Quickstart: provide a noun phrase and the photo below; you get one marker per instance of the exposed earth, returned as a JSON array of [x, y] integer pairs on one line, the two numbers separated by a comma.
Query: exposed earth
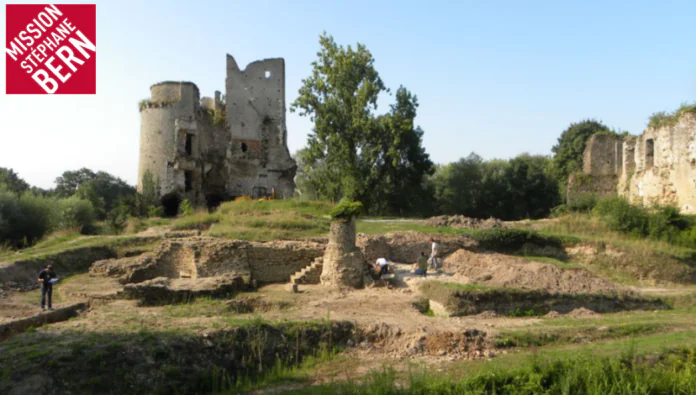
[[204, 287]]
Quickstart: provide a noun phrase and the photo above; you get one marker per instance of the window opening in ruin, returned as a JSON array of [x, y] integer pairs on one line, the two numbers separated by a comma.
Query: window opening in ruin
[[649, 153], [244, 147], [188, 181], [268, 74], [189, 144]]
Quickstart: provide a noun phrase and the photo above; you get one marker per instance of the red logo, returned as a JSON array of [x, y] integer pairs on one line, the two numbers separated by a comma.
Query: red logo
[[51, 49]]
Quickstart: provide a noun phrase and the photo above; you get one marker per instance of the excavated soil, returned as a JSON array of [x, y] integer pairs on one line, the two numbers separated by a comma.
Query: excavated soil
[[460, 221], [513, 272]]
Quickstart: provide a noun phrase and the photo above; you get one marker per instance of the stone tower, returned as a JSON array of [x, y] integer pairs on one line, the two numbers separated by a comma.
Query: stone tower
[[209, 150]]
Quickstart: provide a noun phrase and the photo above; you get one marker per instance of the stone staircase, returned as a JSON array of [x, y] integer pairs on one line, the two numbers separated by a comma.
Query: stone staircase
[[309, 274]]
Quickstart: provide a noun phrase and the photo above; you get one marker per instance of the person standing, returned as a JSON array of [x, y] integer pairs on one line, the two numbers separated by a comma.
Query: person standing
[[434, 261], [47, 287]]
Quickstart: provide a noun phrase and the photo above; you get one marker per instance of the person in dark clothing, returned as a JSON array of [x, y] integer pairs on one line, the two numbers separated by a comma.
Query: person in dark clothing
[[47, 286]]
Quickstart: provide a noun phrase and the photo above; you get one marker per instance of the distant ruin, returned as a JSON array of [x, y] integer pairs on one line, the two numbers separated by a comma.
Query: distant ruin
[[657, 167], [209, 150]]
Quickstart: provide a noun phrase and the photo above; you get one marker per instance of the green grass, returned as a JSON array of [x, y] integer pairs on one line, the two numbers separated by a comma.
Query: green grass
[[669, 372], [199, 220], [557, 262], [575, 334], [72, 243], [665, 119], [271, 220], [374, 228], [640, 260]]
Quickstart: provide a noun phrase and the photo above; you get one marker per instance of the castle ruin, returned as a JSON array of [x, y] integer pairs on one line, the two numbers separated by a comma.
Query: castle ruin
[[657, 167], [209, 150]]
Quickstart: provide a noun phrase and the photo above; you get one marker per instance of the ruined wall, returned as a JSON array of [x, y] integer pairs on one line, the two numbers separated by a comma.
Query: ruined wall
[[657, 167], [165, 120], [277, 261], [204, 150], [664, 166], [258, 153], [203, 257]]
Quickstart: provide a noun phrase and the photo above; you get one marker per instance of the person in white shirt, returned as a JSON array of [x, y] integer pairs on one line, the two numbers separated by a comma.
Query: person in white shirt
[[383, 266], [434, 260]]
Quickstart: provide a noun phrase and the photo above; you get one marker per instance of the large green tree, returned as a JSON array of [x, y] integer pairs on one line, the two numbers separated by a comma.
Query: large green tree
[[102, 189], [11, 182], [568, 152], [352, 152]]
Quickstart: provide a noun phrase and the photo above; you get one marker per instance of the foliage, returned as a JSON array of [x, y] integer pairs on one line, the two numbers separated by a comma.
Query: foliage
[[10, 181], [568, 152], [102, 189], [626, 374], [658, 223], [422, 304], [186, 207], [665, 119], [26, 219], [22, 222], [352, 152], [513, 239], [75, 213], [346, 209], [117, 219], [510, 190]]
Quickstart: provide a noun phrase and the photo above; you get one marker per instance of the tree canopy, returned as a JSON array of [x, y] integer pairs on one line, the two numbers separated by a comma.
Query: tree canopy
[[102, 189], [11, 182], [352, 152], [568, 152], [516, 189]]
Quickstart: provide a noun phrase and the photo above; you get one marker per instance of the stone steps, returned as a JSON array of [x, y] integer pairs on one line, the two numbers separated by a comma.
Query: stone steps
[[309, 274]]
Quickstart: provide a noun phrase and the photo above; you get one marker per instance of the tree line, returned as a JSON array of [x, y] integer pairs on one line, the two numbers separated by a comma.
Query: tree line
[[353, 152], [378, 159]]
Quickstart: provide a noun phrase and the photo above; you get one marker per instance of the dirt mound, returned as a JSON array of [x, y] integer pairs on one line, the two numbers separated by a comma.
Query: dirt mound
[[465, 344], [460, 221], [469, 344], [583, 313], [513, 272], [406, 247]]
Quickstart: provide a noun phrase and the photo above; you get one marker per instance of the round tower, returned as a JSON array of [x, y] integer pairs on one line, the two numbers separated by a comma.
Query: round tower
[[168, 146]]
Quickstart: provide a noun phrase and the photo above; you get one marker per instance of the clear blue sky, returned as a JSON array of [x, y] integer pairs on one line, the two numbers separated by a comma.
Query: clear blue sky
[[495, 77]]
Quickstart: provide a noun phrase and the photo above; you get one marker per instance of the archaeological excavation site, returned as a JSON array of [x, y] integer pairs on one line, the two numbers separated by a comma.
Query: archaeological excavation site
[[240, 284]]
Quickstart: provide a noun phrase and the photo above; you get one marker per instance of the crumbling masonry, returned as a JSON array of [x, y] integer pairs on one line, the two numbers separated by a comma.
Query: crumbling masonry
[[209, 150], [657, 167]]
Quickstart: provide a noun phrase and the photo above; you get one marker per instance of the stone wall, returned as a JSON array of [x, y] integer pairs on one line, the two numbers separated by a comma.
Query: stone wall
[[277, 261], [581, 185], [203, 257], [205, 151], [657, 167]]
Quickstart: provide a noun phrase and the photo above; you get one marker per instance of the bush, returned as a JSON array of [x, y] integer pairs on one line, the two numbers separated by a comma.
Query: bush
[[421, 304], [155, 211], [346, 209], [37, 217], [75, 213], [513, 239], [659, 223], [621, 216], [186, 208], [117, 220], [583, 202]]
